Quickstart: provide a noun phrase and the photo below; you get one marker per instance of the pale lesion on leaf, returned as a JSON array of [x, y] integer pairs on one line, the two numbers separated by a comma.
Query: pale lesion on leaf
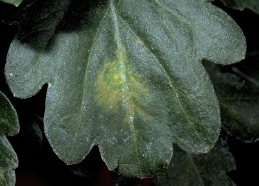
[[139, 41], [119, 86]]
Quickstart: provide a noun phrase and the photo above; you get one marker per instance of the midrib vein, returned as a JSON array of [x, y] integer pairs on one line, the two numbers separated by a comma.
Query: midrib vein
[[126, 95]]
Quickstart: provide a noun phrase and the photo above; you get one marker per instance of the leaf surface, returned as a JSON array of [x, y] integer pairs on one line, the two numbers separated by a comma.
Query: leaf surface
[[33, 128], [126, 76], [199, 169], [239, 102], [241, 4], [13, 2], [8, 126]]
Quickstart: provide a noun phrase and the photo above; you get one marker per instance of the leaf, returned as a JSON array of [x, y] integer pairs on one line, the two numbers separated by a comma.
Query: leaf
[[13, 2], [125, 181], [239, 104], [126, 76], [199, 169], [33, 128], [242, 4], [8, 126]]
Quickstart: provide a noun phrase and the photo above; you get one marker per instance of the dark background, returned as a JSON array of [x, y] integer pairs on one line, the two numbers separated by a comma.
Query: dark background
[[39, 166]]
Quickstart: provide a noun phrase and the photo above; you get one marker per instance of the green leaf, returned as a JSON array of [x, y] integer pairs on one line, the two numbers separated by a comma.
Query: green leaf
[[239, 103], [125, 181], [33, 128], [128, 78], [188, 169], [242, 4], [8, 126], [13, 2]]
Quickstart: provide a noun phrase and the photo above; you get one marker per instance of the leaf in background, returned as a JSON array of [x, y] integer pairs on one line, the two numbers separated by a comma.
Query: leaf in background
[[242, 4], [248, 69], [90, 168], [239, 103], [13, 2], [126, 76], [8, 126], [125, 181], [33, 127], [188, 169]]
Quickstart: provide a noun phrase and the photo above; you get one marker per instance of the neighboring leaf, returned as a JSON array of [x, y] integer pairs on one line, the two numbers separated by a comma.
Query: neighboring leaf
[[125, 181], [90, 168], [188, 169], [239, 104], [34, 129], [13, 2], [242, 4], [128, 78], [249, 69], [8, 126]]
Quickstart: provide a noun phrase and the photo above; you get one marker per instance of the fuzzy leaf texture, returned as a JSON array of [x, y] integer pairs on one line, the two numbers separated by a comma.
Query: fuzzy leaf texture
[[126, 76], [238, 100], [8, 126], [188, 169], [13, 2], [242, 4]]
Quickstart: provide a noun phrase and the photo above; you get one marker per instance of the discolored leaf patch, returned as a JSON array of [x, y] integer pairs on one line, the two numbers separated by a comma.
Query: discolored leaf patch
[[118, 84]]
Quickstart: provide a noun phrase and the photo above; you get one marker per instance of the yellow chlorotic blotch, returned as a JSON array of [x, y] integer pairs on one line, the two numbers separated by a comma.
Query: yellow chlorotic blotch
[[119, 86]]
